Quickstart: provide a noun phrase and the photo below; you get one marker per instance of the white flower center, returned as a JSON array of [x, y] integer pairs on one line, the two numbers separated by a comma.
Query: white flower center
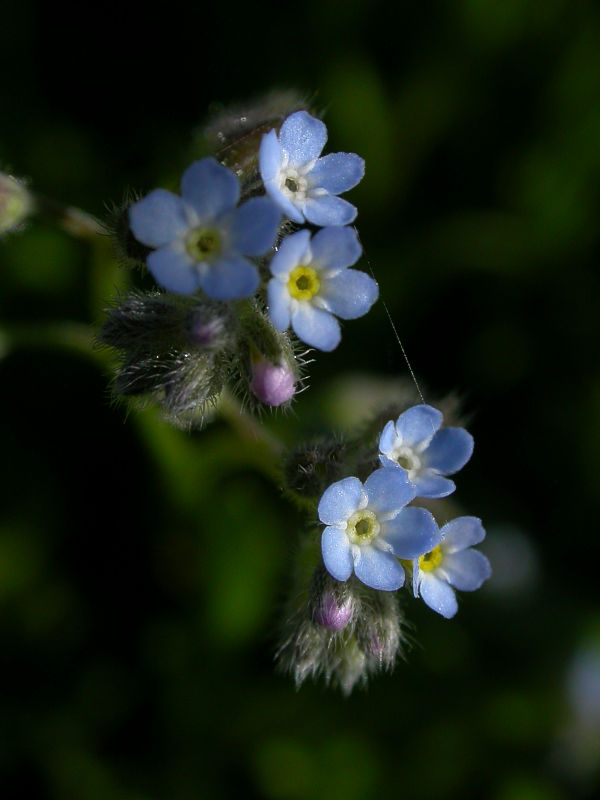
[[406, 458], [204, 244], [362, 527], [293, 185]]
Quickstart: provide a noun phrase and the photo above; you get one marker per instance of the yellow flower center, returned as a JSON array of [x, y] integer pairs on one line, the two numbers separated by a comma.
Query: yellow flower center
[[303, 283], [430, 561], [203, 243], [362, 527]]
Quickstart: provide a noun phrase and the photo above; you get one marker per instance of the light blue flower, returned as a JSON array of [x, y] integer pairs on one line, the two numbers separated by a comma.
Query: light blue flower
[[416, 445], [369, 529], [303, 185], [201, 238], [311, 284], [453, 563]]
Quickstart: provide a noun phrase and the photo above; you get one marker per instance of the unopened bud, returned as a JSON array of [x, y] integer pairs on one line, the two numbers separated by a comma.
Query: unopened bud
[[272, 384], [380, 631], [208, 332], [15, 203], [333, 613], [352, 667]]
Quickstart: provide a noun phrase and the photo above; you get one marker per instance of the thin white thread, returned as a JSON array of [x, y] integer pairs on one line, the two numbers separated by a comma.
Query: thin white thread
[[389, 316]]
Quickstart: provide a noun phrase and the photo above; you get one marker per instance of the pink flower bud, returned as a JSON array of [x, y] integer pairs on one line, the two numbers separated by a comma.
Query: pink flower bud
[[272, 384], [332, 613]]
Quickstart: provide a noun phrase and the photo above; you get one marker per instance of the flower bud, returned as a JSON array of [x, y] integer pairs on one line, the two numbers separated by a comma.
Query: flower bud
[[272, 384], [334, 613], [15, 203], [379, 633]]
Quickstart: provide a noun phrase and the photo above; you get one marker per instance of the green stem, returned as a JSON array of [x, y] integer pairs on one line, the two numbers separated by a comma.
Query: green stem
[[247, 427], [71, 336]]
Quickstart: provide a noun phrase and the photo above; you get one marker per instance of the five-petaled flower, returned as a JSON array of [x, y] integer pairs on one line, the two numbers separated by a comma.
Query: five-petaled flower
[[311, 283], [302, 184], [202, 240], [369, 528], [427, 454], [453, 563]]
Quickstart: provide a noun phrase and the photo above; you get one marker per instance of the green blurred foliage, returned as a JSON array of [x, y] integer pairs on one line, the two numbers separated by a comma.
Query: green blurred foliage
[[143, 570]]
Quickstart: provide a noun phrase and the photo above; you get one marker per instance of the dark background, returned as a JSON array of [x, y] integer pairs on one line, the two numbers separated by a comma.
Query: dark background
[[142, 570]]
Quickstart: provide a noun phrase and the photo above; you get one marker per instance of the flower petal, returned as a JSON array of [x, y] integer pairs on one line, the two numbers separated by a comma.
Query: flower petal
[[337, 172], [431, 485], [302, 137], [438, 595], [174, 270], [462, 532], [337, 554], [449, 451], [158, 218], [466, 570], [388, 490], [254, 226], [387, 438], [210, 188], [329, 210], [290, 253], [378, 569], [284, 203], [412, 533], [316, 327], [229, 279], [278, 299], [340, 500], [336, 247], [418, 425], [350, 294], [269, 156]]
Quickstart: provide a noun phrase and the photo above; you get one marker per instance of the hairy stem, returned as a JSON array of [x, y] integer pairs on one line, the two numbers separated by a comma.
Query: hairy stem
[[72, 220]]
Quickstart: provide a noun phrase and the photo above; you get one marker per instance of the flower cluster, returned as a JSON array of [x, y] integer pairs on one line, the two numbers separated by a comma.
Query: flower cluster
[[376, 535], [255, 258], [228, 249], [371, 529]]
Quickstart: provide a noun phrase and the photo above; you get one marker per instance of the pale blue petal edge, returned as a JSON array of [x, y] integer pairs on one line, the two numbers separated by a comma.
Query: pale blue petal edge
[[438, 595], [290, 253], [316, 327], [378, 569], [210, 188], [466, 570], [388, 490], [158, 218], [462, 532], [278, 300], [302, 137], [336, 552], [449, 450], [230, 279], [350, 294], [254, 226], [174, 270], [337, 172], [340, 500], [336, 247], [412, 533], [418, 425], [329, 210]]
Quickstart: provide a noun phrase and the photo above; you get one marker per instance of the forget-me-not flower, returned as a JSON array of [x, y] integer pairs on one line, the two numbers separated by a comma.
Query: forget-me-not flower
[[427, 454], [369, 528], [453, 563], [303, 185], [201, 238], [311, 283]]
